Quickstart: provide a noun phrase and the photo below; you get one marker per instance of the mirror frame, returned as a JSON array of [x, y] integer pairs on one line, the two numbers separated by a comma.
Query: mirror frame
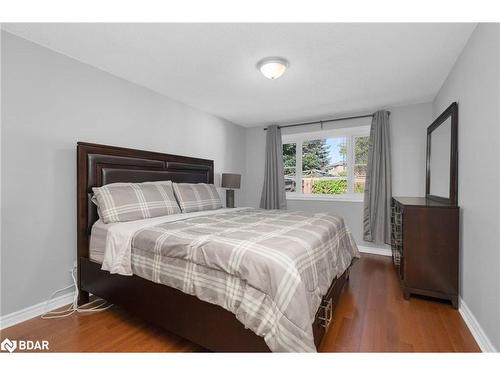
[[451, 111]]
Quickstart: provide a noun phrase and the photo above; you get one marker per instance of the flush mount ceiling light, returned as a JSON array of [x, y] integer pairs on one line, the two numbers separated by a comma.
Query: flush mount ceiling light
[[272, 67]]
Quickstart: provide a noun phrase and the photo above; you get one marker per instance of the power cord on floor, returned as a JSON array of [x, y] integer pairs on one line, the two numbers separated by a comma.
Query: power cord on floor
[[96, 305]]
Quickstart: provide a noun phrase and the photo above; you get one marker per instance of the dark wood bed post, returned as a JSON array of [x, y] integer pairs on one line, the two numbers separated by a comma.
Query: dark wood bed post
[[203, 323], [82, 236]]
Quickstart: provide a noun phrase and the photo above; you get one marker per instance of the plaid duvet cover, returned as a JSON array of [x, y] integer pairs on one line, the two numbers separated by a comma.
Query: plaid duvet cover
[[270, 268]]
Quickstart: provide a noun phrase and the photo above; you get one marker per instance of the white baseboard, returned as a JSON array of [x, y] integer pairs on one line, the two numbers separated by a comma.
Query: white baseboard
[[475, 328], [35, 310], [375, 250]]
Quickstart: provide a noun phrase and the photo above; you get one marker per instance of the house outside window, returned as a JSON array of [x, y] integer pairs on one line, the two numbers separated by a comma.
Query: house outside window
[[329, 164]]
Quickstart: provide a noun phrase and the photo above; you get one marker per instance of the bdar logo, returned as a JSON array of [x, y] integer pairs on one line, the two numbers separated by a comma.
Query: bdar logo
[[24, 345], [8, 345]]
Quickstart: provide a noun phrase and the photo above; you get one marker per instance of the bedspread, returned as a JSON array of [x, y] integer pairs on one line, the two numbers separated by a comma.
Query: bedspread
[[270, 268]]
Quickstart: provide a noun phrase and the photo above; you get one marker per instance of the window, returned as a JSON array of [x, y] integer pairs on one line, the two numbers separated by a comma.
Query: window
[[329, 163], [289, 165], [360, 162]]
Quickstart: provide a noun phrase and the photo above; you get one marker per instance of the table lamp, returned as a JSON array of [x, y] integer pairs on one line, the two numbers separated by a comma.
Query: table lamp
[[230, 181]]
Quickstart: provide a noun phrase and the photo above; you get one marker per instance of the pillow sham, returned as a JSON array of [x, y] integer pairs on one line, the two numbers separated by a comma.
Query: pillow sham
[[197, 197], [94, 200], [120, 202]]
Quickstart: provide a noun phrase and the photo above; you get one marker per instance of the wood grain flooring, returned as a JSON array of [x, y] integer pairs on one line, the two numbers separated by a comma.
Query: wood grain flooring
[[372, 316]]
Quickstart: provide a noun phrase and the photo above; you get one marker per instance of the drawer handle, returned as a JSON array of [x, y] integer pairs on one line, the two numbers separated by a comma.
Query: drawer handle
[[326, 319]]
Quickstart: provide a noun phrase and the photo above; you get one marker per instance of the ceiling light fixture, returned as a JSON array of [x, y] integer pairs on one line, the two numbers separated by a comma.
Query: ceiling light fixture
[[272, 67]]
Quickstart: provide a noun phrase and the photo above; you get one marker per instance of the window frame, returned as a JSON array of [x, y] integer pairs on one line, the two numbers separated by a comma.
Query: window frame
[[350, 134]]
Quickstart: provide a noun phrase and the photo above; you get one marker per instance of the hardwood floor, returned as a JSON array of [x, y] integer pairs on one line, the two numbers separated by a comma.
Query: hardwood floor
[[372, 316]]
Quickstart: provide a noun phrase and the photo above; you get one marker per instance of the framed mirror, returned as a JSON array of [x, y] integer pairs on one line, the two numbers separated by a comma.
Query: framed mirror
[[442, 157]]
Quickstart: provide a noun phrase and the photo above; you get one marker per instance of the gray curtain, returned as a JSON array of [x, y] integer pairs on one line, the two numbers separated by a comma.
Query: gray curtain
[[273, 191], [378, 193]]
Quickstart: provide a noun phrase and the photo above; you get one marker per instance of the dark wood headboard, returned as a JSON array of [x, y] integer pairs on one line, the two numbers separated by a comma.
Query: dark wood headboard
[[99, 165]]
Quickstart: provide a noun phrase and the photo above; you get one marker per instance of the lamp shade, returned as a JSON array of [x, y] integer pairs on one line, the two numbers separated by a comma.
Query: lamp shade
[[231, 180]]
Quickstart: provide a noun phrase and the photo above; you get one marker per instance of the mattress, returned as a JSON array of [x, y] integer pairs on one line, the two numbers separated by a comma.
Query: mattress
[[270, 268]]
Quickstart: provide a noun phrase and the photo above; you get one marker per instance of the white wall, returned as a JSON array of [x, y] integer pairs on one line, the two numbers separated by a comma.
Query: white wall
[[474, 82], [49, 102], [408, 146], [408, 137]]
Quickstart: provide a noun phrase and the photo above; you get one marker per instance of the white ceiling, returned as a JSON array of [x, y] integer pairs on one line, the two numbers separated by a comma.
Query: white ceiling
[[334, 68]]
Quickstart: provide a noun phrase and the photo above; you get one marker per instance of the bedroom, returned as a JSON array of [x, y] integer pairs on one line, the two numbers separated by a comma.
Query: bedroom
[[312, 120]]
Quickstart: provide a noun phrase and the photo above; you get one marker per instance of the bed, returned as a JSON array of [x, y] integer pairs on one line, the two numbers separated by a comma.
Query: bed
[[187, 305]]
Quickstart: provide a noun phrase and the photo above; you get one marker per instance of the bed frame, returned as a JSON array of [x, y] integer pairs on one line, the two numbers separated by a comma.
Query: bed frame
[[203, 323]]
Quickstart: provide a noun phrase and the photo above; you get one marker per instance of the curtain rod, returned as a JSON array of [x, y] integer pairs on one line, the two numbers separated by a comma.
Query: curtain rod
[[323, 121]]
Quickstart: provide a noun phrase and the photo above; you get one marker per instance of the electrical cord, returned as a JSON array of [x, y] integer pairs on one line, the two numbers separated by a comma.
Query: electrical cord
[[93, 306]]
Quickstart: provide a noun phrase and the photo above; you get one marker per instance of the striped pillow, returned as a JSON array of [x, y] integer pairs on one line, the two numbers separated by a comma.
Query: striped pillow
[[197, 197], [131, 201]]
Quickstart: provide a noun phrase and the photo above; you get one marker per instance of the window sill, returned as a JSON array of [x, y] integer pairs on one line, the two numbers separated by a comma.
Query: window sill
[[326, 197]]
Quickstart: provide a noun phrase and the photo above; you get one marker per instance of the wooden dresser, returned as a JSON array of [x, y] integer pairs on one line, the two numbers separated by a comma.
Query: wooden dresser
[[424, 243]]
